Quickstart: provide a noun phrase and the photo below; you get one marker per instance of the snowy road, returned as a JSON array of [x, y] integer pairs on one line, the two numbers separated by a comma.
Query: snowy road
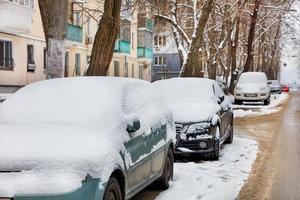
[[210, 180]]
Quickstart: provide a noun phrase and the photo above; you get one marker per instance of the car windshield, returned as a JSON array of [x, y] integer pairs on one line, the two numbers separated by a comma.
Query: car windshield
[[253, 77], [188, 90]]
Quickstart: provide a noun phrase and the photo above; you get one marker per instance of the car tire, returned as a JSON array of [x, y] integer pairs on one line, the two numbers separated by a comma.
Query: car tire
[[113, 190], [267, 101], [238, 102], [163, 181], [215, 154], [229, 139]]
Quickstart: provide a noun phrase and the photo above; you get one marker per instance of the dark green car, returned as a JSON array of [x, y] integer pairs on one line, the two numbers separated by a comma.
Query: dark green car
[[84, 139]]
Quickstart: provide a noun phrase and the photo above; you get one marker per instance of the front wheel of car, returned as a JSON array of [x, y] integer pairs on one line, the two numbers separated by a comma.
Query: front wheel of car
[[163, 182], [215, 154], [238, 102], [113, 190], [229, 139], [267, 101]]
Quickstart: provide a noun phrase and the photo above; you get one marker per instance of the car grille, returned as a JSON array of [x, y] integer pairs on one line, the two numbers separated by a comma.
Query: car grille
[[178, 128]]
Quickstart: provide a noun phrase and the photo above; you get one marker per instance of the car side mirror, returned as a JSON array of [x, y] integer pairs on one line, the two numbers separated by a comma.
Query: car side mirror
[[221, 99], [135, 126]]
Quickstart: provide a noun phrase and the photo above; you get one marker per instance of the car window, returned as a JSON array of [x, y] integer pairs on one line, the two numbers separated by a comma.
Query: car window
[[218, 91], [142, 102]]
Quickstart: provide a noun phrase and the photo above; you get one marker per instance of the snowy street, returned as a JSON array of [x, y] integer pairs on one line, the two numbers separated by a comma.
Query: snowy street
[[244, 162], [226, 178]]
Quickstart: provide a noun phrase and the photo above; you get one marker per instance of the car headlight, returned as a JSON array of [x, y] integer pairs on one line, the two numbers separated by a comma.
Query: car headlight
[[238, 88], [263, 89], [196, 128]]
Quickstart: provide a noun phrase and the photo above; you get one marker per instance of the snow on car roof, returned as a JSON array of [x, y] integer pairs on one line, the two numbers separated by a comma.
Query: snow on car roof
[[253, 77], [191, 99], [186, 89]]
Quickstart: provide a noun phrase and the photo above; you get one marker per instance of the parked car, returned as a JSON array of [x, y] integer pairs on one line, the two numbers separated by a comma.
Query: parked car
[[84, 139], [202, 113], [285, 88], [252, 86], [274, 86]]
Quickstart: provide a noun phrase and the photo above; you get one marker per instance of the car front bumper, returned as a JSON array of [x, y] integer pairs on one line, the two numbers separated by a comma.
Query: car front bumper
[[194, 146], [254, 96], [90, 190]]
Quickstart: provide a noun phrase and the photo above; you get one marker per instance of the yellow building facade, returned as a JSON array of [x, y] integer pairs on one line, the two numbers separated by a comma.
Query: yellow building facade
[[23, 48]]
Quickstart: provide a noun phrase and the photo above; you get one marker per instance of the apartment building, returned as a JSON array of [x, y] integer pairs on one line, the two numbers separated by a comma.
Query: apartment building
[[23, 48], [22, 44], [166, 61]]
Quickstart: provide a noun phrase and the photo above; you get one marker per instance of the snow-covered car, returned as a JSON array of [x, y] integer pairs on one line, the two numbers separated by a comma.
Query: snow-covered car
[[252, 86], [84, 139], [274, 86], [202, 113]]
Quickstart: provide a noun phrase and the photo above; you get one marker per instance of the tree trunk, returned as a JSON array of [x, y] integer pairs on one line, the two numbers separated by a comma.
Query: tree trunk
[[106, 36], [197, 41], [234, 45], [54, 17], [251, 37]]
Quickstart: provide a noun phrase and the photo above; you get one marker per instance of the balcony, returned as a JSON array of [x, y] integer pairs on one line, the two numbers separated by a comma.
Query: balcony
[[15, 18], [144, 52], [144, 22], [122, 46], [74, 33]]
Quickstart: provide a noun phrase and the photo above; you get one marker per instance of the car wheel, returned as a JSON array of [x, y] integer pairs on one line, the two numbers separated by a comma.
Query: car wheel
[[215, 154], [238, 102], [113, 190], [267, 101], [163, 181], [229, 139]]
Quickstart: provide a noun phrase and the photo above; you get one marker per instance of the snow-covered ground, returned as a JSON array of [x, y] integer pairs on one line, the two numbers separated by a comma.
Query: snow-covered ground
[[221, 179], [249, 110]]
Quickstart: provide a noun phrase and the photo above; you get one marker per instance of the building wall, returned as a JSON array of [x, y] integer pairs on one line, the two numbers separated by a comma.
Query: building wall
[[19, 75], [167, 50]]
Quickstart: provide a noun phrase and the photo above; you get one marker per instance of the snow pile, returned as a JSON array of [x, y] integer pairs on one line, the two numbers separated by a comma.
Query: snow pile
[[249, 110], [71, 128], [191, 99], [214, 180]]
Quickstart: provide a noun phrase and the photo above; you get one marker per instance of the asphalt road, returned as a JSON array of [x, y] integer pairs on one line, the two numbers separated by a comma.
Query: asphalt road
[[286, 180]]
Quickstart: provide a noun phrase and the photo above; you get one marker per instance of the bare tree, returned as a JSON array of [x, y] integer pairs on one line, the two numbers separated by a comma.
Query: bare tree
[[54, 18], [105, 39]]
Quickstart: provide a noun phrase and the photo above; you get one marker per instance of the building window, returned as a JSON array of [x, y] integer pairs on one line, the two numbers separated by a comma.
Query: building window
[[77, 19], [160, 40], [67, 64], [132, 70], [45, 58], [132, 40], [77, 64], [126, 69], [116, 68], [6, 59], [89, 26], [30, 58], [125, 30], [141, 71], [26, 3], [160, 61]]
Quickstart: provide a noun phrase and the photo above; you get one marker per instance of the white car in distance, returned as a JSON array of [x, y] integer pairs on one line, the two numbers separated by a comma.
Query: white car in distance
[[252, 87]]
